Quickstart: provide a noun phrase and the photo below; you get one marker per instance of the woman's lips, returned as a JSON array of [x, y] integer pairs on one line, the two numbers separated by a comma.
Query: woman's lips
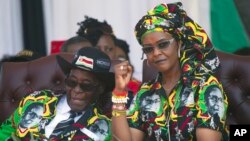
[[160, 61]]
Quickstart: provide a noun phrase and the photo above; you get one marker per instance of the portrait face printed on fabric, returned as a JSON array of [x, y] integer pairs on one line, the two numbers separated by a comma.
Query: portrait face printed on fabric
[[161, 51], [151, 103], [187, 97], [214, 101], [100, 129], [214, 63], [132, 104], [107, 45], [81, 89], [32, 115]]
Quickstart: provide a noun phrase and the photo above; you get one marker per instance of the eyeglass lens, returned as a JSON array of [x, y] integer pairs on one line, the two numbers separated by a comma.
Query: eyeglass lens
[[87, 87]]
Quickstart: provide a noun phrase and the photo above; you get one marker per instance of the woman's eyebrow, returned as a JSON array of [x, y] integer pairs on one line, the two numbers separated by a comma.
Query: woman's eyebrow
[[159, 41]]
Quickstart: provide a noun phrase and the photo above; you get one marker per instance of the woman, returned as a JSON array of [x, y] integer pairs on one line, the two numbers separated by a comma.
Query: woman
[[182, 53], [100, 34]]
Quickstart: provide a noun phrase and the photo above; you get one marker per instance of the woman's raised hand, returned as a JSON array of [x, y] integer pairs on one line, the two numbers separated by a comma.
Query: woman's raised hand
[[123, 72]]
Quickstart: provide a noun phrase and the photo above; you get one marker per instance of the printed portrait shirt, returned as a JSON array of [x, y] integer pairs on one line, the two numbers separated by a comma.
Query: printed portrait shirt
[[176, 116], [26, 123]]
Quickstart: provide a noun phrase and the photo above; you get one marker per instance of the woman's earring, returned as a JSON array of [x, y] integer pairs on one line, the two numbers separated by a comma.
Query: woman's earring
[[148, 63], [179, 52], [142, 56]]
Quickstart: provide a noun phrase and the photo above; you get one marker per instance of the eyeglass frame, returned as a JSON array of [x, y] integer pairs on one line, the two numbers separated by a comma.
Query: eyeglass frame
[[82, 86], [170, 41]]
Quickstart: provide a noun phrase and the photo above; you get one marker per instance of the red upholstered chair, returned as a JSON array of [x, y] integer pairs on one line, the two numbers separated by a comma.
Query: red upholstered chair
[[20, 78], [235, 77]]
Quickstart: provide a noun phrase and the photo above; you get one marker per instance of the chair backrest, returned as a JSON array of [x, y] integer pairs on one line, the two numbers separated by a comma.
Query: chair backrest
[[235, 77], [20, 78]]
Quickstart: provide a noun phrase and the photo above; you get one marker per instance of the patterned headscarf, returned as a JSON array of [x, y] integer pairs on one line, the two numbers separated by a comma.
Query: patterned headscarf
[[197, 52]]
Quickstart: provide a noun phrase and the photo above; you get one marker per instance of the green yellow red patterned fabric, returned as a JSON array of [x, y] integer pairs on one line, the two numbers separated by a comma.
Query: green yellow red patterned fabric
[[197, 52], [16, 127], [198, 100], [203, 105], [12, 126]]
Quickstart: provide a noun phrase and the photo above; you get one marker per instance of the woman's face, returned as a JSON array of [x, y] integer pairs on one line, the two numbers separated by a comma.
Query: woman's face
[[120, 54], [107, 45], [162, 51], [81, 87]]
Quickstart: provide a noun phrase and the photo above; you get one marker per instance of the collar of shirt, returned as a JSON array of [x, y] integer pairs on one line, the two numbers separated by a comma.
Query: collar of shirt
[[62, 113], [63, 107]]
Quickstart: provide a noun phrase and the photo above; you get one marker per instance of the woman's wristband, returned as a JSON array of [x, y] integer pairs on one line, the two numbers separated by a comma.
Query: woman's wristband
[[118, 93], [119, 96], [116, 113]]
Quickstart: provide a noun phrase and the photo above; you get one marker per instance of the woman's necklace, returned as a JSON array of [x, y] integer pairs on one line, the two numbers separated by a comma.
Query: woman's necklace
[[168, 122], [168, 91]]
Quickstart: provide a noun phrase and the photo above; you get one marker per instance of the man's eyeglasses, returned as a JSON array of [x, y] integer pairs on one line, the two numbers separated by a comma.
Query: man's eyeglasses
[[86, 87], [162, 45]]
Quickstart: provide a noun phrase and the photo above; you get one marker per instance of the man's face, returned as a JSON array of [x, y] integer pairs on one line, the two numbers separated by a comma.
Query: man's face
[[81, 89], [186, 93], [151, 103], [32, 117], [215, 102], [187, 97], [100, 128]]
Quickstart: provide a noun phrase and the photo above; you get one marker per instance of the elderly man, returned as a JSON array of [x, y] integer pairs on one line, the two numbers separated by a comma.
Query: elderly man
[[69, 116]]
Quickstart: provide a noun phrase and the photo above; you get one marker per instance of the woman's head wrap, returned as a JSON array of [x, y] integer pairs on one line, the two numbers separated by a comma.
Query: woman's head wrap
[[197, 52]]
